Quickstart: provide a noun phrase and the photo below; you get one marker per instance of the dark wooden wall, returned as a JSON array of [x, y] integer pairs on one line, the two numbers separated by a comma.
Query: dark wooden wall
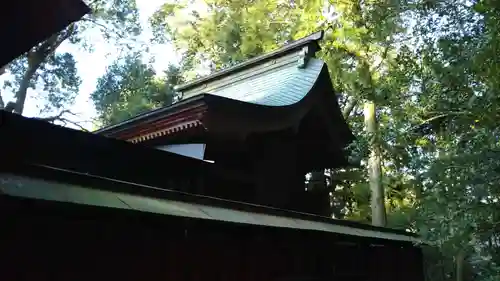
[[44, 241]]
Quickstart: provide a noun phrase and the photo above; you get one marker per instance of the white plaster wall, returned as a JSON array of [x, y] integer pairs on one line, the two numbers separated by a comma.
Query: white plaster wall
[[193, 150]]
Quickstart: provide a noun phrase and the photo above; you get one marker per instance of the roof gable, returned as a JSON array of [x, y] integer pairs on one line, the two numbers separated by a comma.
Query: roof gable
[[268, 93]]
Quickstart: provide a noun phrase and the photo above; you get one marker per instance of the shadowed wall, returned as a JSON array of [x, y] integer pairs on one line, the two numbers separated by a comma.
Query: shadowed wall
[[42, 240]]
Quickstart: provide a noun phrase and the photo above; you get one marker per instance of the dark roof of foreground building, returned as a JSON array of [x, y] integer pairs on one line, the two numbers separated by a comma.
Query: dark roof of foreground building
[[28, 22], [52, 163]]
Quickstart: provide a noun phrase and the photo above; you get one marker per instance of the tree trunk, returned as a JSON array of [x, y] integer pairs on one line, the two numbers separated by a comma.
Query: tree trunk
[[460, 262], [350, 105], [23, 89], [374, 167]]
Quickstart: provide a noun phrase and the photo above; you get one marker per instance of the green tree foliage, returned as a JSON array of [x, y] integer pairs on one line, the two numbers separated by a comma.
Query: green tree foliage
[[457, 105], [130, 87], [54, 73], [222, 33]]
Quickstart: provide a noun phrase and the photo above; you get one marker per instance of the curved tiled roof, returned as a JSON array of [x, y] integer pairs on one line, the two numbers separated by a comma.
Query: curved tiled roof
[[281, 85]]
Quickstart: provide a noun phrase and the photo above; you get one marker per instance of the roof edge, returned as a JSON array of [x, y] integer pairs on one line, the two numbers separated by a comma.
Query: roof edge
[[312, 38], [143, 116], [62, 177]]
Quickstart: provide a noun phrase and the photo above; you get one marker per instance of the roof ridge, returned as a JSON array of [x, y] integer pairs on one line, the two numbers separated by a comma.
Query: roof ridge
[[287, 48]]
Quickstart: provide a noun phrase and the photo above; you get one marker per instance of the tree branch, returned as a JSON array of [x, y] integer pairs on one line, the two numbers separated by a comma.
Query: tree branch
[[105, 28], [384, 56], [60, 117], [36, 57], [91, 3], [388, 148], [442, 115], [50, 45], [55, 117], [77, 124], [349, 107]]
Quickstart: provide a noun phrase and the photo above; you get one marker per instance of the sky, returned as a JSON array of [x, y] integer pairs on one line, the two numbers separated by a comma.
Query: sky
[[93, 65]]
